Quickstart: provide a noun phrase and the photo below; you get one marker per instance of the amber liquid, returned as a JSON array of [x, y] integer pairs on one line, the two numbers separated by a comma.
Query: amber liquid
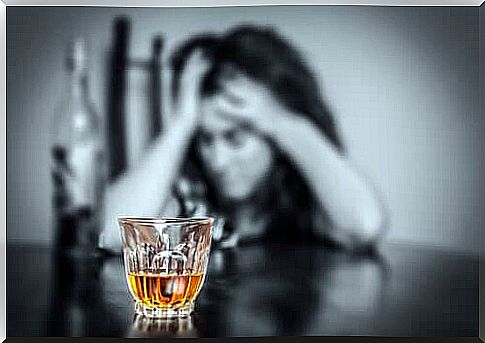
[[170, 291]]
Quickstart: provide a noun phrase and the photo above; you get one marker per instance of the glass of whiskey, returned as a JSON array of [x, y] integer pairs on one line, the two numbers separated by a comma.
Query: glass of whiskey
[[165, 262]]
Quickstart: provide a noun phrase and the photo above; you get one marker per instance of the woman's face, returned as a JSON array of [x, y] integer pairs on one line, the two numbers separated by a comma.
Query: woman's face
[[237, 159]]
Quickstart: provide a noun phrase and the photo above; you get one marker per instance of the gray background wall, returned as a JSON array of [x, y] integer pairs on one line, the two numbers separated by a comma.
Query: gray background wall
[[403, 83]]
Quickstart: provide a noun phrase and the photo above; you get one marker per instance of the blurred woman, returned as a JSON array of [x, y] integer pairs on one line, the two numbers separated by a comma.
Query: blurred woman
[[253, 137]]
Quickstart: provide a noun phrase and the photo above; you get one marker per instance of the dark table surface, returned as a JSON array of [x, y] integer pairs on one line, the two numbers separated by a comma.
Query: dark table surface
[[254, 291]]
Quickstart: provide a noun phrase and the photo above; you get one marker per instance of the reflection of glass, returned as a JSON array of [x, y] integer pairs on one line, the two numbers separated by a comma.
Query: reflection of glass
[[162, 327], [165, 262]]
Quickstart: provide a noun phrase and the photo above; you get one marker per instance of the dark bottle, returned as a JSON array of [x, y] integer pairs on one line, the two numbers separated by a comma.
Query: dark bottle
[[78, 167]]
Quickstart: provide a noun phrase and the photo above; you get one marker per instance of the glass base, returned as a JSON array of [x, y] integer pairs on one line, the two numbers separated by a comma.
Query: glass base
[[158, 312]]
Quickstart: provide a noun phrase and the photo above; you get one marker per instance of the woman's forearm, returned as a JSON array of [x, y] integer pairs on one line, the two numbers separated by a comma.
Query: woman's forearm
[[353, 205], [142, 190]]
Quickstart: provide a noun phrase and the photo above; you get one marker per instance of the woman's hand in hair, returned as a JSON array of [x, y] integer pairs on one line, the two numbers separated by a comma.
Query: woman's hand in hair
[[252, 104], [187, 105]]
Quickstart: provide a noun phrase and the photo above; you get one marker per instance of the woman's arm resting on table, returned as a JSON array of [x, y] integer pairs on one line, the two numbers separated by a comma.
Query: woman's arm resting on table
[[356, 211]]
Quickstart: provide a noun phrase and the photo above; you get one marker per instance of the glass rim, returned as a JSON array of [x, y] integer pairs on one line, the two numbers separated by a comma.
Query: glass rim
[[165, 220]]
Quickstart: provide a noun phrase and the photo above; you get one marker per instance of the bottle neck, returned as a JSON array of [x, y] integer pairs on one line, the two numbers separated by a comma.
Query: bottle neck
[[78, 84]]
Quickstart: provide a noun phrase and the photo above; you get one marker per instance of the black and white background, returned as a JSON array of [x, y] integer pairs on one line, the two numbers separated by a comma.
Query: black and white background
[[402, 82]]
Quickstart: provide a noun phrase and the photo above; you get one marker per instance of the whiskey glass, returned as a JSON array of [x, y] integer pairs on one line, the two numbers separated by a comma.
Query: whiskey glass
[[165, 262]]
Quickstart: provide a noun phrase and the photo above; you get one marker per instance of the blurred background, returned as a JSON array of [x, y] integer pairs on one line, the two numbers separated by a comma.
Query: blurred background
[[402, 82]]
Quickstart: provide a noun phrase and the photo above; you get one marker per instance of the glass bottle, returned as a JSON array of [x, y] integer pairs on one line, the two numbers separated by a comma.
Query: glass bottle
[[78, 157]]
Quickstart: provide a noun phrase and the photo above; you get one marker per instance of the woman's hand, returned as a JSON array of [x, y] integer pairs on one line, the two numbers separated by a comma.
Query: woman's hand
[[252, 104], [187, 105]]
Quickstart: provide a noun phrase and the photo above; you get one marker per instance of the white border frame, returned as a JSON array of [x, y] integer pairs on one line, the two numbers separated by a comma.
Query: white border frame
[[226, 3], [146, 3], [3, 137]]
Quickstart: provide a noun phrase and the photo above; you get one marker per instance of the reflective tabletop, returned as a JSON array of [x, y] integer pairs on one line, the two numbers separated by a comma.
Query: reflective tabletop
[[254, 290]]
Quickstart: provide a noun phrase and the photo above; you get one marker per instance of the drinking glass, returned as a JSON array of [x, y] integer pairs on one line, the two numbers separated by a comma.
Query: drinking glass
[[165, 262]]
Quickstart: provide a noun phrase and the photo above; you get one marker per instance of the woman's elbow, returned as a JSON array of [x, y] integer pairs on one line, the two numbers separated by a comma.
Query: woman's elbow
[[366, 231], [373, 226], [110, 237]]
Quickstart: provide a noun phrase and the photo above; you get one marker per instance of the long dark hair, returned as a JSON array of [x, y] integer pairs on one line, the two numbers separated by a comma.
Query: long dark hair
[[266, 57]]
